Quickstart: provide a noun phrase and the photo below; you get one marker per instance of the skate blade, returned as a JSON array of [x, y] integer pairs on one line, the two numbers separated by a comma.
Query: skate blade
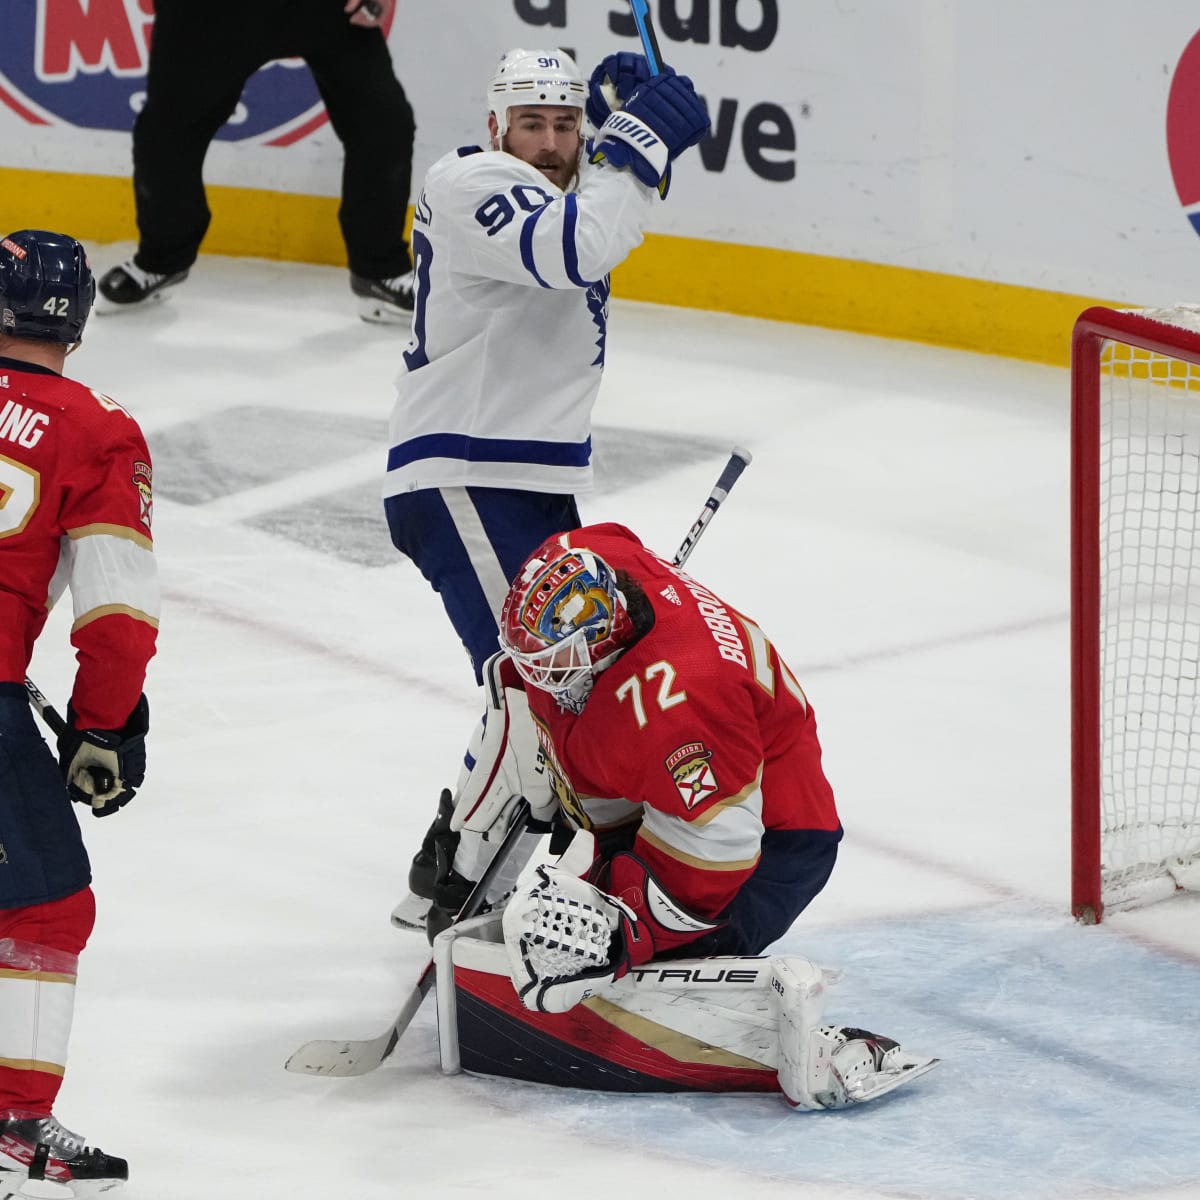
[[48, 1189], [409, 914], [874, 1086], [375, 312], [108, 308]]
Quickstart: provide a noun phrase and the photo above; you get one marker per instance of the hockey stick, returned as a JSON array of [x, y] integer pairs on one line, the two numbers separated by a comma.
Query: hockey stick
[[645, 28], [739, 460], [102, 779], [342, 1058]]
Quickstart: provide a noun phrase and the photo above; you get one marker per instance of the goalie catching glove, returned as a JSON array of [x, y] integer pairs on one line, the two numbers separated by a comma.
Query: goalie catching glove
[[104, 768], [566, 939]]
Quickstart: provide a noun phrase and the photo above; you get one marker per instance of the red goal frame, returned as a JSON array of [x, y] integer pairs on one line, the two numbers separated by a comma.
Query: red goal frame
[[1092, 329]]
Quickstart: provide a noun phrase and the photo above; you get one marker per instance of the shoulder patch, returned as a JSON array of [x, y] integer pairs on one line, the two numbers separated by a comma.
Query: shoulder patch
[[467, 151], [691, 770]]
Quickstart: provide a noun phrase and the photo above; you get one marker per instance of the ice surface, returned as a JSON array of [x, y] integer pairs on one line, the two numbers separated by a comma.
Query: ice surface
[[901, 535]]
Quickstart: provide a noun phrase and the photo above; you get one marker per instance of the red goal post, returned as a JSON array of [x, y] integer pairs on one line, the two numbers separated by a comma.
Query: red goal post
[[1135, 607]]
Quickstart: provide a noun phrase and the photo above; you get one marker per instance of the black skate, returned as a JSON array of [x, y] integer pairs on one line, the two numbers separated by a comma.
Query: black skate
[[384, 301], [128, 286], [436, 890], [38, 1150]]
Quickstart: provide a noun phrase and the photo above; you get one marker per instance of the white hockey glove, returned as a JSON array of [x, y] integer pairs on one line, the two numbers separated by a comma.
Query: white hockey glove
[[505, 761], [559, 933], [566, 939]]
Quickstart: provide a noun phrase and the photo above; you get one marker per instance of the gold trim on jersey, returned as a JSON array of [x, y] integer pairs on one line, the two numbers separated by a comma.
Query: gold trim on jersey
[[108, 610], [691, 860], [117, 531], [33, 1064], [713, 811]]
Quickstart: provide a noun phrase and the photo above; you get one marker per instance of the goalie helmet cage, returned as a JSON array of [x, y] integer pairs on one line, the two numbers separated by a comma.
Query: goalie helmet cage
[[1135, 607]]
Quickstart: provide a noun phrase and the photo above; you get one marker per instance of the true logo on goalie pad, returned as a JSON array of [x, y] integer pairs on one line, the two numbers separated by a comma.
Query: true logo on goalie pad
[[691, 769]]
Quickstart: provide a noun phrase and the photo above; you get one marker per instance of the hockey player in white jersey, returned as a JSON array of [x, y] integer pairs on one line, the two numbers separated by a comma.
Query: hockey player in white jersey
[[490, 437]]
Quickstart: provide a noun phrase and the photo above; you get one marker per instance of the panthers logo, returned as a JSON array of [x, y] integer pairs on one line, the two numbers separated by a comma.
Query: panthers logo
[[567, 598]]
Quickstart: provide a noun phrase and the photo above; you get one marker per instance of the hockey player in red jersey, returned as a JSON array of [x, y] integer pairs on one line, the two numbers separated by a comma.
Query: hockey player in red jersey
[[75, 510], [672, 729], [681, 745]]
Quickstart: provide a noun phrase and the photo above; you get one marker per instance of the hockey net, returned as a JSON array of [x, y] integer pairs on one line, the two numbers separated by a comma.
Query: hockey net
[[1135, 607]]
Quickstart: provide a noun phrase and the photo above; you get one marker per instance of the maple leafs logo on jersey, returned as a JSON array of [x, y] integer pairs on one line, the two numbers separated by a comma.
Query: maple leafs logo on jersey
[[691, 769], [669, 593]]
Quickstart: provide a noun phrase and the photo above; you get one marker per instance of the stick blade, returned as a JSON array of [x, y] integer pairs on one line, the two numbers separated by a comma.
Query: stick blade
[[342, 1059]]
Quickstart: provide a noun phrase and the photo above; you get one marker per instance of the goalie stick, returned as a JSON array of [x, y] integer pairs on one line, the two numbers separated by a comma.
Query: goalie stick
[[341, 1058], [739, 460], [345, 1058]]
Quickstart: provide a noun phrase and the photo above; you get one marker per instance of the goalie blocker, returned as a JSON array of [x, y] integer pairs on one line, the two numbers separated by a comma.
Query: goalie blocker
[[728, 1024]]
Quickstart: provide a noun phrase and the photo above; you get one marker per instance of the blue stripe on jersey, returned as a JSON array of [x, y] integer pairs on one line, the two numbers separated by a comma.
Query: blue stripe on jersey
[[474, 449], [570, 251], [527, 231]]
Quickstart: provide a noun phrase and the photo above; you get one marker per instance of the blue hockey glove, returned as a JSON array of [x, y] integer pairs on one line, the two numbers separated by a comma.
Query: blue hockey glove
[[659, 121], [103, 768], [613, 82]]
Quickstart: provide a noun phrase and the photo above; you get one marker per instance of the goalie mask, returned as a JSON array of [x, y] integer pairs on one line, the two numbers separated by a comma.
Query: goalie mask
[[564, 620], [535, 77]]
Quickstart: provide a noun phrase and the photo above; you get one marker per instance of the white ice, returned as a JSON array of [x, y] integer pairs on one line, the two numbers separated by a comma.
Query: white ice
[[902, 537]]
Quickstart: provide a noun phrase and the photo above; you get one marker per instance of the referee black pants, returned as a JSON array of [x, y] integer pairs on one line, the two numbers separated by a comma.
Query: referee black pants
[[202, 53]]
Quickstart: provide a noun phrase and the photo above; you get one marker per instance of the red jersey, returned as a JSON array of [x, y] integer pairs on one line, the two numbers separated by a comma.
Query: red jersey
[[699, 729], [75, 510]]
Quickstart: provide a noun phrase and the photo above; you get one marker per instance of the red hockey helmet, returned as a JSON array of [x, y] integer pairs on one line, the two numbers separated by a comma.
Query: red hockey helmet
[[563, 621]]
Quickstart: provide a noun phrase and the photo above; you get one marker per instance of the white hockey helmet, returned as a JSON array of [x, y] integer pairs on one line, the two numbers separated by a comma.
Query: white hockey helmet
[[535, 77]]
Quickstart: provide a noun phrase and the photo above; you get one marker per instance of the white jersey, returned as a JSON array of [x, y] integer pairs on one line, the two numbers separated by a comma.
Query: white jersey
[[510, 321]]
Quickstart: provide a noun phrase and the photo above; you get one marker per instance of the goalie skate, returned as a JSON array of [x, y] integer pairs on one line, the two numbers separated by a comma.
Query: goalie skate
[[852, 1066], [39, 1158]]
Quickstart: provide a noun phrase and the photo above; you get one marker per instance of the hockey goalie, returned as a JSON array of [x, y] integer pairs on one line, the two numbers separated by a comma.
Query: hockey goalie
[[663, 728]]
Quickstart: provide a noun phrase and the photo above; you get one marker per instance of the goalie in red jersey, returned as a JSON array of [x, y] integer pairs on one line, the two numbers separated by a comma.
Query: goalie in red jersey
[[681, 747], [674, 731], [75, 507]]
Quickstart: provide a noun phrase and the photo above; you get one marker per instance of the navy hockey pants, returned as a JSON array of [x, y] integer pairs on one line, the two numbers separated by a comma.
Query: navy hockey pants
[[469, 543], [42, 856]]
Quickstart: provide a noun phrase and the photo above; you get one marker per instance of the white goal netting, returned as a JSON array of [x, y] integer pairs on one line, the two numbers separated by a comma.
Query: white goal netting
[[1150, 618]]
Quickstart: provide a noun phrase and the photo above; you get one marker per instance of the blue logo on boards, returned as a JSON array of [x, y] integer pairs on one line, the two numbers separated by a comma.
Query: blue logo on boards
[[83, 63]]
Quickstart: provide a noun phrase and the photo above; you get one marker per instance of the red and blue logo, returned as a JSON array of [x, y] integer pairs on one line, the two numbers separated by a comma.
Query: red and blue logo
[[1183, 130], [83, 63]]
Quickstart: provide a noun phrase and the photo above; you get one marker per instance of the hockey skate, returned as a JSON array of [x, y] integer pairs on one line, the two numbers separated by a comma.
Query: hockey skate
[[436, 890], [127, 287], [36, 1152], [831, 1066], [384, 301]]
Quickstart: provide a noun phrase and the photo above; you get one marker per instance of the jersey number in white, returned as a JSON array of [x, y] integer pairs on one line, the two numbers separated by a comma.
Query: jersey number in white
[[20, 489], [631, 690]]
